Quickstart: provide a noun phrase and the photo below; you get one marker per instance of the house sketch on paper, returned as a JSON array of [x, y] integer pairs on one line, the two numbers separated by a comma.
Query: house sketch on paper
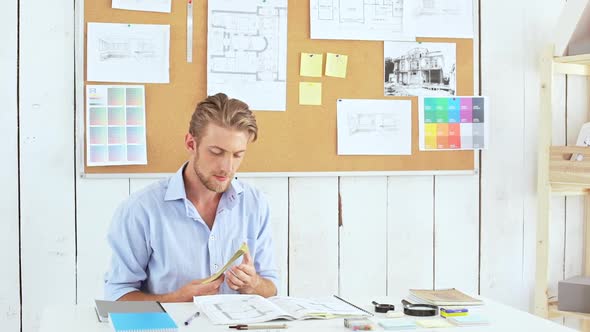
[[120, 48], [419, 72], [438, 7], [371, 12], [247, 45], [371, 123]]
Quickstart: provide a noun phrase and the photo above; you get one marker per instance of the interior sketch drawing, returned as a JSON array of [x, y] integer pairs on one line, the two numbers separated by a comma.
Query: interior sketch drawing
[[424, 69], [371, 122], [439, 7], [133, 48]]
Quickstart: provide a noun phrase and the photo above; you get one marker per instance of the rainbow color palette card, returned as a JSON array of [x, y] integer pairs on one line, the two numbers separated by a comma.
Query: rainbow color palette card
[[115, 125], [454, 123]]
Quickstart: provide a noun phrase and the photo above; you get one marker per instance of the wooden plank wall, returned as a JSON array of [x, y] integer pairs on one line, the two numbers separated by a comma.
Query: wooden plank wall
[[346, 235], [9, 191]]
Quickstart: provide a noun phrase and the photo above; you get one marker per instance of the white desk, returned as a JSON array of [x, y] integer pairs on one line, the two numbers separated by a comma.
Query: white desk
[[502, 317]]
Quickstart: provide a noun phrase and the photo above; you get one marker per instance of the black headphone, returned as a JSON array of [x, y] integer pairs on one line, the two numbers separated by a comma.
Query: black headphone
[[421, 310]]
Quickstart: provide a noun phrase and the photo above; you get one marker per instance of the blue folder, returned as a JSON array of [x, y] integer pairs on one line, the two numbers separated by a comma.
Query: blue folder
[[142, 321]]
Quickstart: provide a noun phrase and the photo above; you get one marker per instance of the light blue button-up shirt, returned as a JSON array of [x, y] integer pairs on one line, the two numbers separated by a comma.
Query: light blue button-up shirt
[[160, 242]]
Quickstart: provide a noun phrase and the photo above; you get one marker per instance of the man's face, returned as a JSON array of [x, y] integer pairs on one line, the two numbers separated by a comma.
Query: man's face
[[217, 156]]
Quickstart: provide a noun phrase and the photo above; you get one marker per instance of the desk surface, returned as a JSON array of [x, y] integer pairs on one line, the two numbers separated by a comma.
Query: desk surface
[[83, 318]]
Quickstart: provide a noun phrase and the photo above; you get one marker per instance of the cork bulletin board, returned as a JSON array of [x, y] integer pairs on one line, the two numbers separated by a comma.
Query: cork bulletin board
[[301, 139]]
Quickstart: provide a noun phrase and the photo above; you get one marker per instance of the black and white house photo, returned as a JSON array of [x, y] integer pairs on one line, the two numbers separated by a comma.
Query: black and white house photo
[[420, 69]]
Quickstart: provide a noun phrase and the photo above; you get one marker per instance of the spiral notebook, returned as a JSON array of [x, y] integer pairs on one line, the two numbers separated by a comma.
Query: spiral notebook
[[142, 322]]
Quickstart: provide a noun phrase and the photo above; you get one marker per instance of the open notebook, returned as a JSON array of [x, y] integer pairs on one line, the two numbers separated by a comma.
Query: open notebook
[[246, 309]]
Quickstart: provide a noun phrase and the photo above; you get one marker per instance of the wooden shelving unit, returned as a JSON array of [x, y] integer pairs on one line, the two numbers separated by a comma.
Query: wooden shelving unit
[[562, 170]]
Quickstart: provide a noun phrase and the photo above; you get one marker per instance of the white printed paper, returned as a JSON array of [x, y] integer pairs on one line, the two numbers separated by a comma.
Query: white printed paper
[[162, 6], [247, 52], [420, 69], [442, 18], [128, 53], [374, 127], [361, 20], [115, 125]]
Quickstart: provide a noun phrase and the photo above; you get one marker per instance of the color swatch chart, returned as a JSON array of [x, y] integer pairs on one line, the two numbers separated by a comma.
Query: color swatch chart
[[453, 123], [115, 125]]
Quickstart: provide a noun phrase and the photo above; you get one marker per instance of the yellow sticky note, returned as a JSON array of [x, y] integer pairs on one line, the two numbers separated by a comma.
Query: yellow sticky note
[[311, 64], [310, 93], [434, 323], [336, 65]]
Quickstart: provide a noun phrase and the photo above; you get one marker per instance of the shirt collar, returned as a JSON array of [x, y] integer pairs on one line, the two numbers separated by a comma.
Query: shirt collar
[[176, 189]]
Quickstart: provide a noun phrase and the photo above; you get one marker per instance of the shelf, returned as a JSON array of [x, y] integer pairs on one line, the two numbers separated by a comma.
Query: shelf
[[569, 169], [554, 313], [582, 59]]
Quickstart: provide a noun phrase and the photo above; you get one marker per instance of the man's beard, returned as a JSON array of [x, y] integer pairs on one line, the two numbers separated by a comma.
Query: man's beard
[[211, 183]]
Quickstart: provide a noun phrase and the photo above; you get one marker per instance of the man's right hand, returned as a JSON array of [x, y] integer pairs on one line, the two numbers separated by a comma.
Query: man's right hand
[[196, 288]]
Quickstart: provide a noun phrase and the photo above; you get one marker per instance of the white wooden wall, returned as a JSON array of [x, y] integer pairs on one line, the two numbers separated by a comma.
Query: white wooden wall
[[347, 235]]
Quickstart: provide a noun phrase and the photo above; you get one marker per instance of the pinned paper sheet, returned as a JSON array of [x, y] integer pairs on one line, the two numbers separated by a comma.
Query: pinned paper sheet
[[242, 250], [311, 64], [115, 125], [336, 65], [310, 93], [162, 6]]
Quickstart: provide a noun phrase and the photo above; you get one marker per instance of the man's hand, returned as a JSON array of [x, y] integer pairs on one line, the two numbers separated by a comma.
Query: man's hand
[[243, 278], [195, 288]]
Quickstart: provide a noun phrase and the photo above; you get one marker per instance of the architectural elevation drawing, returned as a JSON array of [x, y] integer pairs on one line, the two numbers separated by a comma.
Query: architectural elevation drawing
[[247, 51], [419, 69], [361, 19], [128, 53]]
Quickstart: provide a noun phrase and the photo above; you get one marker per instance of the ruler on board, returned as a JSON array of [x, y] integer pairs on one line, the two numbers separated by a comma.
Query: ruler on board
[[189, 31]]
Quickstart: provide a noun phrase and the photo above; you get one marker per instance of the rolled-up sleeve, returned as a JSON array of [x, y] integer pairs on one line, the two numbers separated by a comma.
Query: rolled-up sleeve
[[264, 260], [128, 238]]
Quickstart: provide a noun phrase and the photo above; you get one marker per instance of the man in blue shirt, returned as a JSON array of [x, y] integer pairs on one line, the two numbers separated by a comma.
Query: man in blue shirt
[[167, 238]]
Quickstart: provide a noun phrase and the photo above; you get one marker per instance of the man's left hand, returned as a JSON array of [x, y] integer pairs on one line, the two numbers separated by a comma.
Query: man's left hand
[[243, 278]]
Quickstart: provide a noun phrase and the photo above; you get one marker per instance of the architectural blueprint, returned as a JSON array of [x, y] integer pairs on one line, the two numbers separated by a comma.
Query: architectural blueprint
[[247, 52], [245, 309], [374, 127], [128, 53], [361, 19]]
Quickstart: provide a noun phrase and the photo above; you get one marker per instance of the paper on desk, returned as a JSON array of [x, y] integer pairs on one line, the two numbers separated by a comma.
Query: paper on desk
[[310, 93], [128, 53], [311, 64], [434, 323], [162, 6], [336, 65], [242, 250]]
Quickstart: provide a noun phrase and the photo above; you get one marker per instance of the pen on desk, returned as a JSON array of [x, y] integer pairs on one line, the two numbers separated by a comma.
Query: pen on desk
[[258, 327], [190, 319]]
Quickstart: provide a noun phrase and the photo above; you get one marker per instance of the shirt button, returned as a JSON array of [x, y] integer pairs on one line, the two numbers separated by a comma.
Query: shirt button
[[212, 238], [215, 266]]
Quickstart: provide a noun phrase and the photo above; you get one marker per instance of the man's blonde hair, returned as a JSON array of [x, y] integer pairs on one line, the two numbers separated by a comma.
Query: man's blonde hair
[[225, 112]]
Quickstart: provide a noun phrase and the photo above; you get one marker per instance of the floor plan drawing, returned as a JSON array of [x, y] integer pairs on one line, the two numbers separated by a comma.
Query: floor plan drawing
[[247, 52], [360, 19]]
